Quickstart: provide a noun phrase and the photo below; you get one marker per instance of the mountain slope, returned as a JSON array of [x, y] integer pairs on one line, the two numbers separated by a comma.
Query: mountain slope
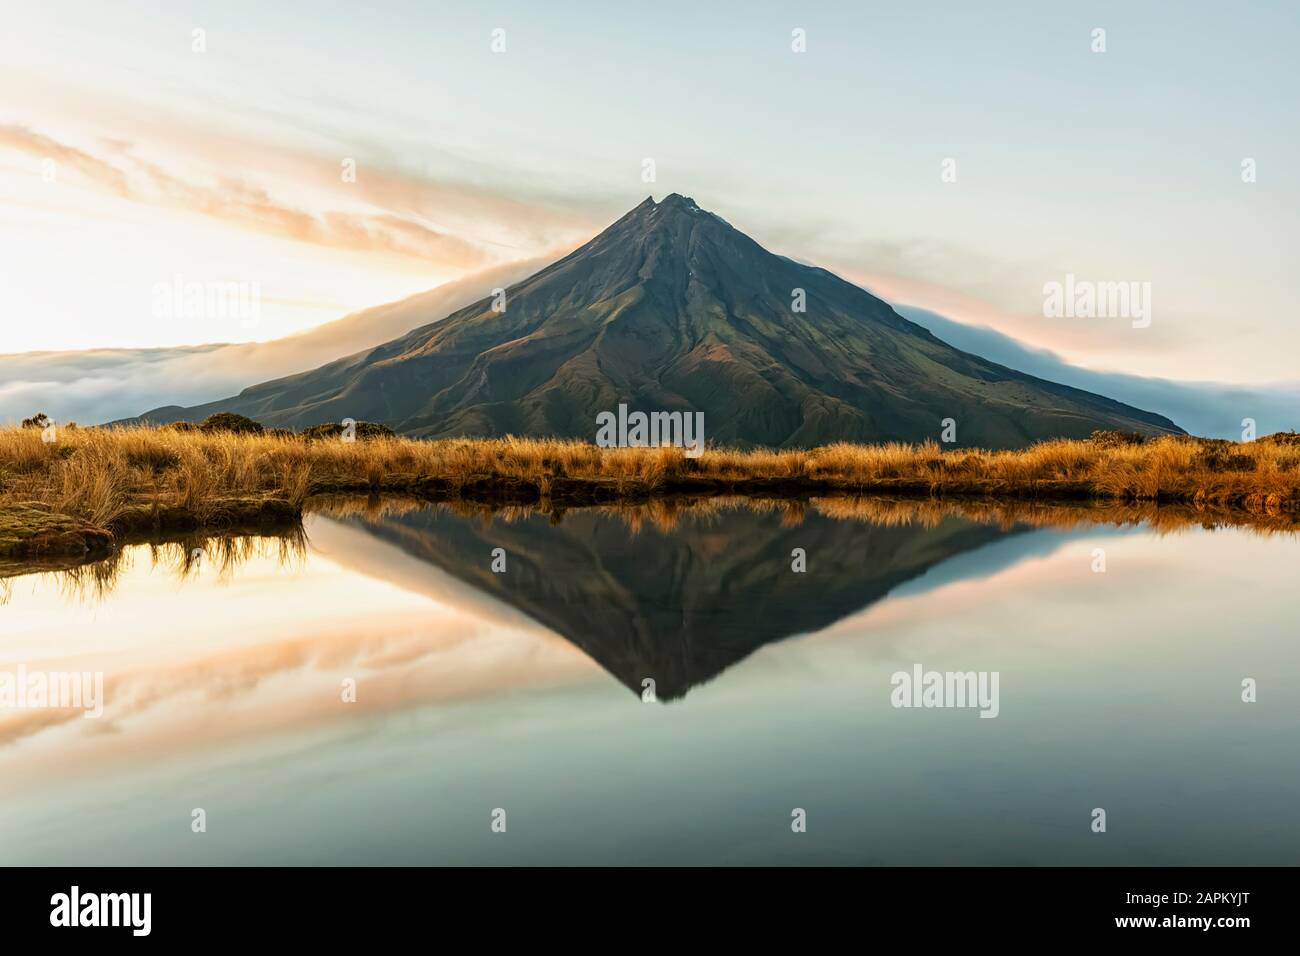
[[671, 308]]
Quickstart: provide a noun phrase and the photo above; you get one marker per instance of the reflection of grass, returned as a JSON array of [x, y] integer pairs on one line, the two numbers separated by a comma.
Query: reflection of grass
[[223, 554], [141, 479], [185, 557], [666, 513]]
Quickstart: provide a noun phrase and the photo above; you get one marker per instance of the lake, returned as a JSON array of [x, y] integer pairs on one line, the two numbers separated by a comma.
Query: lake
[[422, 685]]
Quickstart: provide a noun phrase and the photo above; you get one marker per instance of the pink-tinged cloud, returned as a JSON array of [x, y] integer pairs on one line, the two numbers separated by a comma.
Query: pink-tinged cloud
[[94, 169], [243, 204]]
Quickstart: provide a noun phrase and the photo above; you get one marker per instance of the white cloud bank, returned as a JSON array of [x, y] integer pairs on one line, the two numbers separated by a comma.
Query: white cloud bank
[[101, 385]]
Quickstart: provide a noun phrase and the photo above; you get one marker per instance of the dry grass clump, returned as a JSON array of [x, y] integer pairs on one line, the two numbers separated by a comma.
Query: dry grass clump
[[97, 474]]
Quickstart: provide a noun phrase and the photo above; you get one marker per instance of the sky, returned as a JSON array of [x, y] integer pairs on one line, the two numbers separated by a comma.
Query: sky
[[134, 166]]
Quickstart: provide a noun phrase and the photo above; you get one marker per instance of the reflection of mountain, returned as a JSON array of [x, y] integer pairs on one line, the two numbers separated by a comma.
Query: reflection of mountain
[[680, 606]]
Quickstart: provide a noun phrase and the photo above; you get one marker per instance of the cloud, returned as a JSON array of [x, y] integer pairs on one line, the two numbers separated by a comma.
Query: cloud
[[1210, 409], [955, 280], [100, 385], [241, 203], [92, 168]]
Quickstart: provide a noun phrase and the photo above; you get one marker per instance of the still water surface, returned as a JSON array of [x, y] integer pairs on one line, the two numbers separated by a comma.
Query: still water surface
[[523, 691]]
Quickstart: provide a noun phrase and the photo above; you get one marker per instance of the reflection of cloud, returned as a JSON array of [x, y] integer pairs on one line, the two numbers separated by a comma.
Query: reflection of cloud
[[358, 550], [266, 675], [297, 682], [229, 677], [26, 723]]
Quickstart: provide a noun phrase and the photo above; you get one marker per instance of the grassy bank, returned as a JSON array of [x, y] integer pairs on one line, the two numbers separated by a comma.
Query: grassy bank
[[62, 494]]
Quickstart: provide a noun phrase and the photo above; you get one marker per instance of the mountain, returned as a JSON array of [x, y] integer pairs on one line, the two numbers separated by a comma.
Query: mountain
[[671, 308]]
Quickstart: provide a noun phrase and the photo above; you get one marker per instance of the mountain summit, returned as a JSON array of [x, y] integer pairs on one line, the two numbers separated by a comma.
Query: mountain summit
[[673, 309]]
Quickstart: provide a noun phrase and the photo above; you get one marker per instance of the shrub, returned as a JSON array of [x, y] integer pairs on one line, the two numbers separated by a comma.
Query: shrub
[[39, 420], [230, 422], [181, 427], [1289, 439], [1116, 439], [365, 431], [321, 432]]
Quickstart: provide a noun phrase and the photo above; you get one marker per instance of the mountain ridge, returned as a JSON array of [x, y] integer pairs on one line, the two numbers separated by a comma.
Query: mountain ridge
[[671, 308]]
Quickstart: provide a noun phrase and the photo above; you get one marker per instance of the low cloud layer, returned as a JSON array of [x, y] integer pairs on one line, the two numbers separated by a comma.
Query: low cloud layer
[[1211, 409], [102, 385]]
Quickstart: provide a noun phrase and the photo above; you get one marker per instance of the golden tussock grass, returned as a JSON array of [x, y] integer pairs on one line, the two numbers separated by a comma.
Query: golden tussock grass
[[99, 475]]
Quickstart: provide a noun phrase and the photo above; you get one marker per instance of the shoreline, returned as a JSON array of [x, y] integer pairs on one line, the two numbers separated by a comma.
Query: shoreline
[[58, 542], [83, 495]]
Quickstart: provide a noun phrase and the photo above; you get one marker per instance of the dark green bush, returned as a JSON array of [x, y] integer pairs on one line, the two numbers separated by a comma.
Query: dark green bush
[[365, 431], [230, 422], [1116, 439]]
